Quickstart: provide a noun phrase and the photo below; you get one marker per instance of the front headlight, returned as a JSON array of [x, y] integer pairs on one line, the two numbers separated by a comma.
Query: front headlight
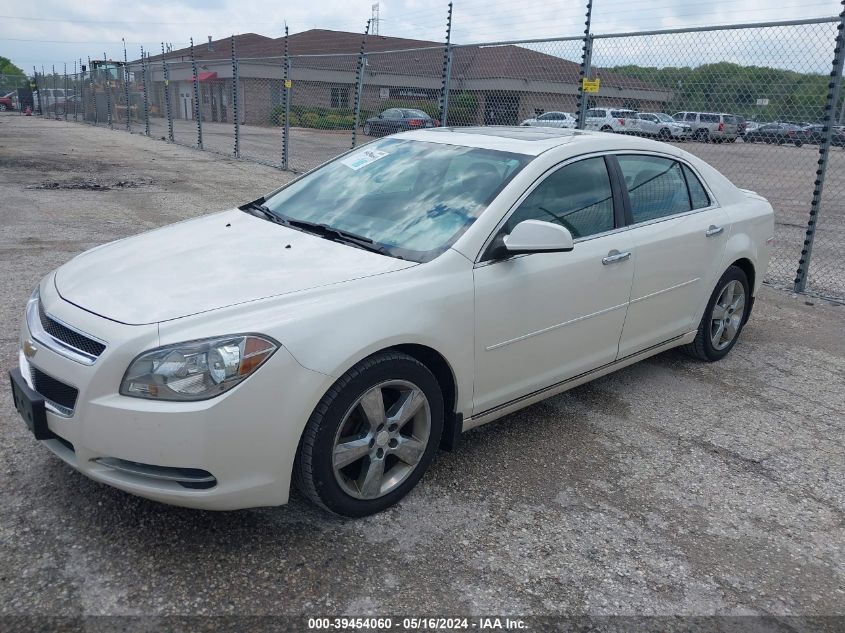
[[196, 370]]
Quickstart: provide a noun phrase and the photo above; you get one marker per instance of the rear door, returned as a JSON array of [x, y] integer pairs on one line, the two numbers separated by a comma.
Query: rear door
[[679, 234]]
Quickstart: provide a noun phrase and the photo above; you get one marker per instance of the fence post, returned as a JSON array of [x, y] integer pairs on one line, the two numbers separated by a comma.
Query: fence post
[[146, 89], [824, 150], [109, 110], [126, 85], [92, 94], [235, 112], [65, 108], [286, 97], [167, 97], [586, 67], [447, 70], [359, 81], [55, 98], [79, 90], [37, 91], [197, 104]]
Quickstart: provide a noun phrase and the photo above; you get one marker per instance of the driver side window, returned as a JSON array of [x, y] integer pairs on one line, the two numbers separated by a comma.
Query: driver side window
[[577, 196]]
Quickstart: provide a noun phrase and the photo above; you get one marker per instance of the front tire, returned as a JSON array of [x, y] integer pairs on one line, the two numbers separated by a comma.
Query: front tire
[[723, 318], [371, 437]]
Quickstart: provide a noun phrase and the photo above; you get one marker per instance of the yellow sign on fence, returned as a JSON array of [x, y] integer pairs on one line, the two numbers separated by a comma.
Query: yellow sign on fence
[[288, 83], [591, 85]]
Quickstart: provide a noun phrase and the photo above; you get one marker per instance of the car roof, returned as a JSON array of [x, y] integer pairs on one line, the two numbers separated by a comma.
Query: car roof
[[533, 141]]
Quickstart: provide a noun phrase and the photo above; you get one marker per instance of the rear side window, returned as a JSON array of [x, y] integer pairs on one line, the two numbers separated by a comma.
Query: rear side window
[[595, 113], [690, 116], [697, 194], [656, 187], [577, 196], [709, 118]]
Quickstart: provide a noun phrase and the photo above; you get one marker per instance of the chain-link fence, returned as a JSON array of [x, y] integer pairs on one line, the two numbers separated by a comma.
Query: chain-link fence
[[756, 101]]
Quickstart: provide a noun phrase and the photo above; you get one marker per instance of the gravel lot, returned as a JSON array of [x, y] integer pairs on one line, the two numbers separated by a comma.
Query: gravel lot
[[670, 487]]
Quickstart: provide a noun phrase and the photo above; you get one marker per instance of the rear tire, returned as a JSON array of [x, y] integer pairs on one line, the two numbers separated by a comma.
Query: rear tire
[[664, 134], [606, 128], [359, 454], [702, 135], [724, 317]]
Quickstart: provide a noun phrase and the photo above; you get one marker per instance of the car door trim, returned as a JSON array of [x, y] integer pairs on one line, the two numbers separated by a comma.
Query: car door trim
[[488, 415], [669, 289], [522, 337]]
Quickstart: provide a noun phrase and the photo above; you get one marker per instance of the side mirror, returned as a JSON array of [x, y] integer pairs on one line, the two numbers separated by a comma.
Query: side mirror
[[534, 236]]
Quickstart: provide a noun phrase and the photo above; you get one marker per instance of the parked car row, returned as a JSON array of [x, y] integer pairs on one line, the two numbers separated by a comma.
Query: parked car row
[[783, 132]]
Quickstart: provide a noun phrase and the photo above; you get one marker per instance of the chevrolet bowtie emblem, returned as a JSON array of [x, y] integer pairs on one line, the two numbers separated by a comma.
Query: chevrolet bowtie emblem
[[29, 348]]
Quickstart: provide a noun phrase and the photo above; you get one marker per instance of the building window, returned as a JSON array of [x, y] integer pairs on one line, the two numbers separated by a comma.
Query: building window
[[340, 96]]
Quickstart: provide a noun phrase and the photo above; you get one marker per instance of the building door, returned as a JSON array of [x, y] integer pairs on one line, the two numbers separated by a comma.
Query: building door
[[186, 103]]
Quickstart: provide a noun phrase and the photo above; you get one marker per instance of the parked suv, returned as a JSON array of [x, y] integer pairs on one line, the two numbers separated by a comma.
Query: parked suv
[[610, 120], [662, 126], [711, 126]]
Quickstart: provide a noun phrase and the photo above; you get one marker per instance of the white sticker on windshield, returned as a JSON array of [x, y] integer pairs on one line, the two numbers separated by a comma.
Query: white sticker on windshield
[[363, 158]]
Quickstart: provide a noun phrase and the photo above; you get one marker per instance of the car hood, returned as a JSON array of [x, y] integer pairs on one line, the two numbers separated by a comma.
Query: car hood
[[207, 263]]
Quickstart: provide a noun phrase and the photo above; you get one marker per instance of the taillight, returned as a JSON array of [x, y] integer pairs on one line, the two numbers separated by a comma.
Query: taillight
[[436, 122], [415, 122], [721, 127], [621, 121], [791, 133]]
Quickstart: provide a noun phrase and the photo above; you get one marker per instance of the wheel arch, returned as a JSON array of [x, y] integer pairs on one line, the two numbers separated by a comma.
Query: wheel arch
[[445, 376], [746, 265]]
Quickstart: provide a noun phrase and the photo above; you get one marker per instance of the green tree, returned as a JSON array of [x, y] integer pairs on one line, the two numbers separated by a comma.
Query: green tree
[[8, 68]]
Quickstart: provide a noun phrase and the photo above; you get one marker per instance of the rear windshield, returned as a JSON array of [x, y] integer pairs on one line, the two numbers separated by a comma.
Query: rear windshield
[[416, 113]]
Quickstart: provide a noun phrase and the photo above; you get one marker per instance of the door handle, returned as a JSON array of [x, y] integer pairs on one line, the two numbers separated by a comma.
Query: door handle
[[615, 256], [713, 230]]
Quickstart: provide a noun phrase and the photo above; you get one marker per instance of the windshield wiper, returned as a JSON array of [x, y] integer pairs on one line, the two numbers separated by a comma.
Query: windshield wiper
[[338, 235], [259, 209]]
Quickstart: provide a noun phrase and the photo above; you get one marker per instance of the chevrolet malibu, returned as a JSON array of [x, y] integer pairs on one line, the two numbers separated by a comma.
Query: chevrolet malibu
[[338, 332]]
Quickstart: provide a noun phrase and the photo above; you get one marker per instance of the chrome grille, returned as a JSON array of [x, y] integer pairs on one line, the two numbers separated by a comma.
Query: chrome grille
[[68, 336], [61, 396]]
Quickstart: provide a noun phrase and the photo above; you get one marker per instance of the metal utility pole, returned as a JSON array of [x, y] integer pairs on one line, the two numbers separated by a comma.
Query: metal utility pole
[[824, 150], [586, 67], [286, 96], [197, 104], [447, 70], [359, 82]]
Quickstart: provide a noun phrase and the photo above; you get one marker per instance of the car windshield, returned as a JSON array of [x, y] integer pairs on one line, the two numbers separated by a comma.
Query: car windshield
[[410, 197], [664, 117]]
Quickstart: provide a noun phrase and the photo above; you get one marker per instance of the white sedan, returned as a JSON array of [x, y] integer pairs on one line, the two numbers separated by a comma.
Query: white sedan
[[337, 332], [552, 119]]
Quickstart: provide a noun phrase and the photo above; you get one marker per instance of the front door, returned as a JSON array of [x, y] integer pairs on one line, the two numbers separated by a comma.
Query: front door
[[679, 239], [546, 317]]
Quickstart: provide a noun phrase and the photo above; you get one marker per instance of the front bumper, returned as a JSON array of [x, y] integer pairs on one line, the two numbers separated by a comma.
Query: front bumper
[[246, 439]]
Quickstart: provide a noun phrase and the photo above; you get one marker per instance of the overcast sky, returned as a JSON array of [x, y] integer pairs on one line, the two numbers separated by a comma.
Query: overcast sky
[[47, 32]]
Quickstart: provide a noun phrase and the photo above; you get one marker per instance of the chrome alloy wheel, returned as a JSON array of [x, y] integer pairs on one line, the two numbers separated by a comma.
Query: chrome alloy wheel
[[727, 314], [382, 439]]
